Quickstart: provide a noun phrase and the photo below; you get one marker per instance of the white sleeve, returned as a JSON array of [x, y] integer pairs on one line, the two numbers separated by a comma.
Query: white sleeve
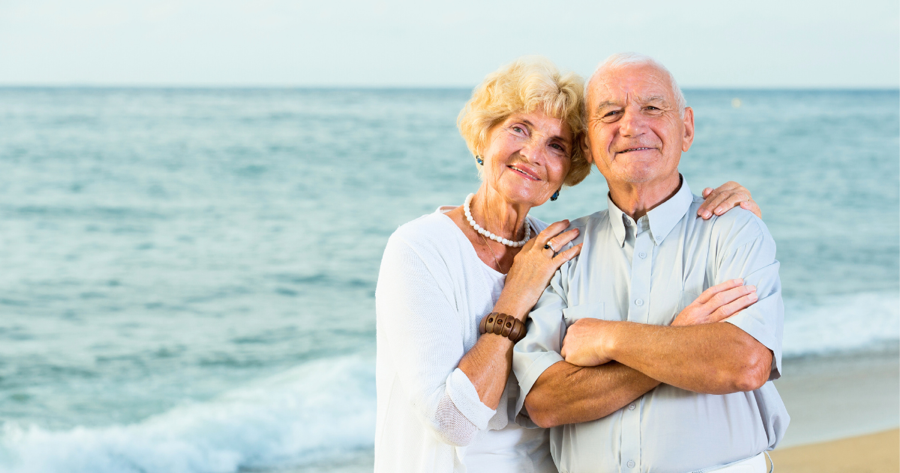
[[418, 318]]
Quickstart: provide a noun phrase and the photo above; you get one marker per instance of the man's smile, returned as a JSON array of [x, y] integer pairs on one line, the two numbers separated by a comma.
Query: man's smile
[[629, 150]]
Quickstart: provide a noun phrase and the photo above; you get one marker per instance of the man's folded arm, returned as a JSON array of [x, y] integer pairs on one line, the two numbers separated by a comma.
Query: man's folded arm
[[568, 394], [553, 392], [739, 354]]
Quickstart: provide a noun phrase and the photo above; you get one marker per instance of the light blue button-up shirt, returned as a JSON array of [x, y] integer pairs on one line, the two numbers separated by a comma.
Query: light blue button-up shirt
[[647, 271]]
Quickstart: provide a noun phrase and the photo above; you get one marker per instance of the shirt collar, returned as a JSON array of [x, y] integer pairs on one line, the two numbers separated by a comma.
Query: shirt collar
[[662, 218]]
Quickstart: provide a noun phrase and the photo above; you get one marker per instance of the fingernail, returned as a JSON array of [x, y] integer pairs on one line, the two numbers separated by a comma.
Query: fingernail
[[707, 214], [739, 281], [752, 288], [752, 296], [719, 210]]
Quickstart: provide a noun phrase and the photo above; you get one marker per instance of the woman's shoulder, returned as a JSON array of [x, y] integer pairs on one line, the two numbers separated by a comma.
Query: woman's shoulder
[[430, 230]]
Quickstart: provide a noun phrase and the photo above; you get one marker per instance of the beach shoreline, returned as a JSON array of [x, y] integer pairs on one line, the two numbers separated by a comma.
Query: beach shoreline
[[844, 408]]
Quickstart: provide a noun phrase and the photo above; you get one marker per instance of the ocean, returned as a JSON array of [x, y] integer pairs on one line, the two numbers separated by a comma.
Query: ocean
[[187, 276]]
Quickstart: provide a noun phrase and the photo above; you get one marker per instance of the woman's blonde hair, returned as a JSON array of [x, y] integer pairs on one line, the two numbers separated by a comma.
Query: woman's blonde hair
[[527, 84]]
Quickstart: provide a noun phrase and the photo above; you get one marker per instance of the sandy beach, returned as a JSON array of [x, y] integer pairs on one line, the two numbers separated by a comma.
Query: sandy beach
[[873, 453], [844, 414]]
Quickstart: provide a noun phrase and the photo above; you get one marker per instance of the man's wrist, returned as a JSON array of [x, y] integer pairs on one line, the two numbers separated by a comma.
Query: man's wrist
[[606, 343]]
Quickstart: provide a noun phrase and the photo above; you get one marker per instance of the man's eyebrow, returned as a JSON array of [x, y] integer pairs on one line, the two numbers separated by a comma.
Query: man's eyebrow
[[654, 98], [606, 103]]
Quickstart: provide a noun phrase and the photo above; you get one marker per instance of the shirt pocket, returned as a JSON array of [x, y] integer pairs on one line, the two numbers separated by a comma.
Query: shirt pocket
[[592, 310]]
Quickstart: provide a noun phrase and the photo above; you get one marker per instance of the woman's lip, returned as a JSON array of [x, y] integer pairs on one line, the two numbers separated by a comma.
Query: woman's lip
[[524, 171]]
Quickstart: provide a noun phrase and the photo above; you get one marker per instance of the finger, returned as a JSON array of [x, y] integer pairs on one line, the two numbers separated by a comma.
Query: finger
[[732, 200], [563, 351], [712, 203], [551, 231], [706, 192], [732, 308], [561, 240], [724, 286], [564, 256], [753, 207], [724, 298]]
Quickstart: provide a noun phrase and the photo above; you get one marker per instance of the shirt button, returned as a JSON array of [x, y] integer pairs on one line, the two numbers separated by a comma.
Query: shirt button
[[639, 302], [642, 254], [630, 464], [631, 407]]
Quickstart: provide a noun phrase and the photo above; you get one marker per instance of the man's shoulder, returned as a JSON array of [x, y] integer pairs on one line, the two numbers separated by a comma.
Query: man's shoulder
[[590, 223], [735, 227]]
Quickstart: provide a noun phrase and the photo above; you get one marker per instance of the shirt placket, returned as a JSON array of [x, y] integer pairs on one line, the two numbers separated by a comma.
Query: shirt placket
[[638, 311]]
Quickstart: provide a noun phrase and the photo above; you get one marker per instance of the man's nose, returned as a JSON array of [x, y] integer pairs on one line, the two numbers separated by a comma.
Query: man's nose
[[631, 123]]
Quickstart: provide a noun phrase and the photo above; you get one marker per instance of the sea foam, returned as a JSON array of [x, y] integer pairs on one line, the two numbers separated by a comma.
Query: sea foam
[[314, 412], [847, 323]]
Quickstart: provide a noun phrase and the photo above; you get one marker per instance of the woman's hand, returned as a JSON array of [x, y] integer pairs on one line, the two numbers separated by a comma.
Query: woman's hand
[[724, 198], [534, 266], [717, 303]]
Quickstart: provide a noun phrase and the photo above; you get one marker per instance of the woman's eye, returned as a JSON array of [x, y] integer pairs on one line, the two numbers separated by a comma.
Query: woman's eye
[[518, 129]]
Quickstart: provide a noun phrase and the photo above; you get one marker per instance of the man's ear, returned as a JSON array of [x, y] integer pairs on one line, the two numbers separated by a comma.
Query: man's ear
[[586, 149], [688, 129]]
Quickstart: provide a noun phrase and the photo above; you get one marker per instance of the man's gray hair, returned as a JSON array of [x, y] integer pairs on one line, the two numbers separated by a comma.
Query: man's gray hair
[[634, 59]]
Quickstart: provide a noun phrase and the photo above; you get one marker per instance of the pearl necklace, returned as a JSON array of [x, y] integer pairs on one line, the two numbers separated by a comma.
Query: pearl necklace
[[514, 244]]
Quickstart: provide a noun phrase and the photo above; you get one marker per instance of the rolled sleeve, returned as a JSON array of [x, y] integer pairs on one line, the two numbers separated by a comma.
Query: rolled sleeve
[[465, 397], [748, 252]]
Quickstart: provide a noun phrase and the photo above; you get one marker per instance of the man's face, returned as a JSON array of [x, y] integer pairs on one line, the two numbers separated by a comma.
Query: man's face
[[635, 133]]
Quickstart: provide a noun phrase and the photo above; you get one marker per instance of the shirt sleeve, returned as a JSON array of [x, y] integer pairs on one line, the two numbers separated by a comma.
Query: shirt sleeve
[[745, 249], [542, 343], [417, 316]]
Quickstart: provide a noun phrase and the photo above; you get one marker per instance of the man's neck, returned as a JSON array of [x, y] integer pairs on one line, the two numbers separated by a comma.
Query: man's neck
[[636, 199]]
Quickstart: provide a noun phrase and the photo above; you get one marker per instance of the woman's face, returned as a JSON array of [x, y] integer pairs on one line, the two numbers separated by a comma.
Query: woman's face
[[526, 157]]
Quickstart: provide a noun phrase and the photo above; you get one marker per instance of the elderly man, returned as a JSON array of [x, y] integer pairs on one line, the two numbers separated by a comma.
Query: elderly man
[[618, 359]]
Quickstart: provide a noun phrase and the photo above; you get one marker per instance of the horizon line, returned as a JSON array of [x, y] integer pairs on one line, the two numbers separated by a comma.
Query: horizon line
[[77, 85]]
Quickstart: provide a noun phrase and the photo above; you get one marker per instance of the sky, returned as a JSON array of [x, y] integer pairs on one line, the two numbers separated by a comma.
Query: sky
[[344, 43]]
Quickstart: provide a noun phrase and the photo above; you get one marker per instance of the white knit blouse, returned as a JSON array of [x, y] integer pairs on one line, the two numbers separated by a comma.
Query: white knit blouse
[[432, 292]]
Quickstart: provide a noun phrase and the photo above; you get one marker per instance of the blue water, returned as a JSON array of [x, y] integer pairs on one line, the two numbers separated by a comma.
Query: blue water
[[187, 276]]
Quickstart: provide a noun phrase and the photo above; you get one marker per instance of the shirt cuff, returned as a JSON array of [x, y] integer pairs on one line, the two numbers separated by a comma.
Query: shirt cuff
[[532, 373], [465, 397]]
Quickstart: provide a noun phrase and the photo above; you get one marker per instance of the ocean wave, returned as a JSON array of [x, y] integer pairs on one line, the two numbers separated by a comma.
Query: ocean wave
[[309, 414], [848, 323]]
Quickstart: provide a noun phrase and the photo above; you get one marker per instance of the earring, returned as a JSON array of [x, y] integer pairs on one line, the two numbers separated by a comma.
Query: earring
[[554, 196], [479, 160]]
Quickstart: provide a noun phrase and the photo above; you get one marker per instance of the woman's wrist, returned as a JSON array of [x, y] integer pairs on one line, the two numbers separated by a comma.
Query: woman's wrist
[[511, 307]]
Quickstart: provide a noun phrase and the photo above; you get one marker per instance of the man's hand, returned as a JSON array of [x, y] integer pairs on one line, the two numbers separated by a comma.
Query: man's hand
[[584, 342], [717, 303]]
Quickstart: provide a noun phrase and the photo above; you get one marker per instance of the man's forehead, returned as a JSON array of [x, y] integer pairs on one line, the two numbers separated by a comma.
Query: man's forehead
[[643, 83]]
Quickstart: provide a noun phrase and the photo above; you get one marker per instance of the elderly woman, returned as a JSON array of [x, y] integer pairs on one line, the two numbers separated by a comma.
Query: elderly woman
[[444, 389]]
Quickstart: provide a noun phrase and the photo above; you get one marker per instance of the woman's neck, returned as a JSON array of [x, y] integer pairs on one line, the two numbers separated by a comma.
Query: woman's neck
[[497, 215]]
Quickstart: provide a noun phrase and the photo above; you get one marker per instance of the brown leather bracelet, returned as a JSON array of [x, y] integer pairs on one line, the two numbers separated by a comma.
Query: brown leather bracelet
[[504, 325]]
